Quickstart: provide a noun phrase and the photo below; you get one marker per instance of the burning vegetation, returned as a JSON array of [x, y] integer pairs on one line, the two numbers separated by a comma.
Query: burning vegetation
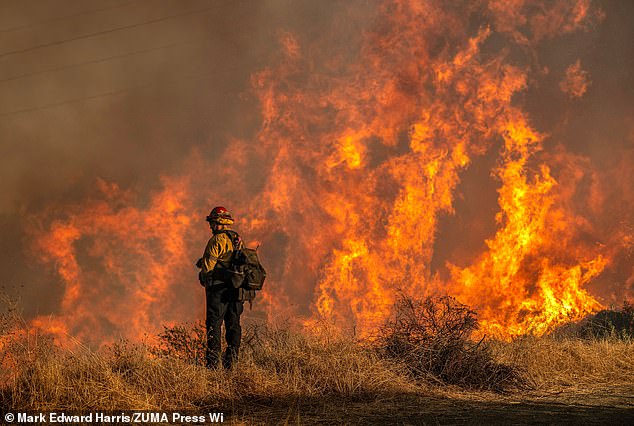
[[367, 133], [429, 227]]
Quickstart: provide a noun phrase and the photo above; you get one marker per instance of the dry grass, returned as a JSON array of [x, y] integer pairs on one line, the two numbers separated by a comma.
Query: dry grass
[[281, 366], [551, 363], [322, 363]]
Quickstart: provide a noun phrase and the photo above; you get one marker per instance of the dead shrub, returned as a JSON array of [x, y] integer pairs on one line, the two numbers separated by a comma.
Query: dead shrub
[[186, 342], [610, 323], [431, 337]]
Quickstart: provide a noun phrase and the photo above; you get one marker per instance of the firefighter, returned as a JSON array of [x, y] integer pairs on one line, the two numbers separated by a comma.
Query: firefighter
[[223, 303]]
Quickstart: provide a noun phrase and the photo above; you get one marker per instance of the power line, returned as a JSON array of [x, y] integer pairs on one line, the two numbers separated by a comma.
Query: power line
[[125, 27], [96, 61], [69, 101], [101, 95], [61, 18]]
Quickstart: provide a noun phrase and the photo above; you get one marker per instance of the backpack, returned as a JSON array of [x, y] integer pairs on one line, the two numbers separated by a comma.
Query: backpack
[[244, 271]]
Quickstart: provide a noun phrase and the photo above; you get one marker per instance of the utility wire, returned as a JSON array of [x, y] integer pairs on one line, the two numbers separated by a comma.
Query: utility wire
[[96, 61], [61, 18], [69, 101], [104, 94], [125, 27]]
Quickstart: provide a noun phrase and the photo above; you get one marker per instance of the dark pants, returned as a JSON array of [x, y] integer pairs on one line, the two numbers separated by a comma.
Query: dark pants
[[221, 306]]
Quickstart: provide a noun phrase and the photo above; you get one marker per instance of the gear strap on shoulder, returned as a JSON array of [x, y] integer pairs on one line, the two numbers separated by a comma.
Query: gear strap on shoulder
[[236, 241]]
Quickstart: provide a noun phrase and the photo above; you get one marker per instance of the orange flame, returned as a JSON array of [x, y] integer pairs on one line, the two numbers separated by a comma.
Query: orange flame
[[358, 158], [131, 257]]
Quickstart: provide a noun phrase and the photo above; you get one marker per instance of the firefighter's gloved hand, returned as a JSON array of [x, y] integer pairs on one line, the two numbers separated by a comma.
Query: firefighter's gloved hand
[[199, 263], [201, 278]]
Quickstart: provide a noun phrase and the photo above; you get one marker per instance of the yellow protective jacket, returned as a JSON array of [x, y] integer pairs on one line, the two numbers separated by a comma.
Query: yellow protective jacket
[[219, 250]]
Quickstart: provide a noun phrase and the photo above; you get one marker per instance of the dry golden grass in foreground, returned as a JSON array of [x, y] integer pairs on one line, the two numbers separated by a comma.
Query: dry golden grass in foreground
[[287, 376], [286, 368], [283, 365], [554, 363]]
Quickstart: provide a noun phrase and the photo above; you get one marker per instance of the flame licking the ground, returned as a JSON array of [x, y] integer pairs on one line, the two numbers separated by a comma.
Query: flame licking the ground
[[365, 136]]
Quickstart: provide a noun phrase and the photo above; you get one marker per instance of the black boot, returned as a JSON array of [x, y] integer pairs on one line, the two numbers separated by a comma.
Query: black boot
[[230, 357], [212, 359]]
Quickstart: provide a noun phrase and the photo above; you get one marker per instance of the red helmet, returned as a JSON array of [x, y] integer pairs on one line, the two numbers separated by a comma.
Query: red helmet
[[220, 215]]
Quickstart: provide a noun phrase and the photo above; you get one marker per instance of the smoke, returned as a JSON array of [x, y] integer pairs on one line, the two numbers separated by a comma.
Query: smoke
[[169, 87], [249, 106], [575, 83]]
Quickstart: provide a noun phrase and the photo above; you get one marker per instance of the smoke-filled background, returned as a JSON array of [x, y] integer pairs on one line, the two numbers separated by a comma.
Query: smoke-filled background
[[481, 149]]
